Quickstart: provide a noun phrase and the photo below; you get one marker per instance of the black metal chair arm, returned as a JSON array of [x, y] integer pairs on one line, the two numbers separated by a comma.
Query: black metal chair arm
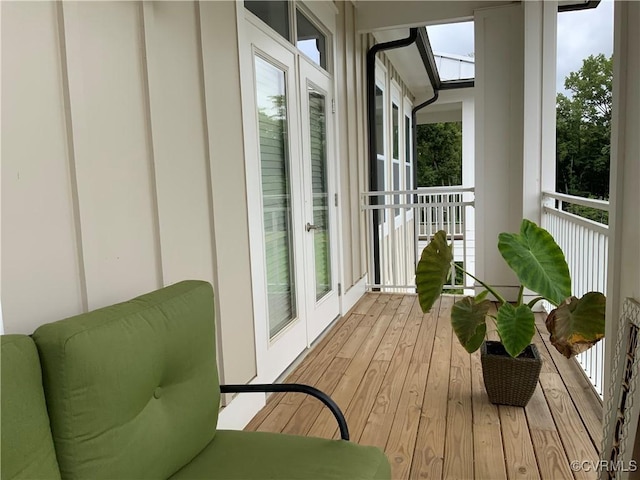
[[298, 388]]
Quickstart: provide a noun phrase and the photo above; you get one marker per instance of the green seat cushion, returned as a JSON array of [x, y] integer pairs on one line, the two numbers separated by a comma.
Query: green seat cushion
[[133, 389], [27, 446], [236, 455]]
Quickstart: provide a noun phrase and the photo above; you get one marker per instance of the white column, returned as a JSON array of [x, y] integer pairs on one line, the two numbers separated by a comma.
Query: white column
[[499, 114], [539, 141], [515, 126], [624, 218], [468, 180], [549, 60]]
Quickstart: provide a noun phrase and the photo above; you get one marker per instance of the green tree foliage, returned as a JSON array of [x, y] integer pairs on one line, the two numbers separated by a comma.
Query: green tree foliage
[[439, 154], [584, 130]]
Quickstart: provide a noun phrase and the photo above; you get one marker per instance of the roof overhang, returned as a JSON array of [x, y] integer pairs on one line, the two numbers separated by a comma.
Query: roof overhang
[[411, 62], [407, 62], [373, 15]]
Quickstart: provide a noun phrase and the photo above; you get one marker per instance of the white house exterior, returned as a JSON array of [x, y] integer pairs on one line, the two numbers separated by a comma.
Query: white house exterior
[[144, 143]]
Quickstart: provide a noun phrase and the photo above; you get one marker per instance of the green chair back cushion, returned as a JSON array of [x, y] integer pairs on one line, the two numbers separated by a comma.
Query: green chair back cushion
[[27, 446], [133, 389]]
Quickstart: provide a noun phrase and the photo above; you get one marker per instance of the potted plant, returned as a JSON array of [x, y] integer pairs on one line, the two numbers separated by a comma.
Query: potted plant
[[575, 324]]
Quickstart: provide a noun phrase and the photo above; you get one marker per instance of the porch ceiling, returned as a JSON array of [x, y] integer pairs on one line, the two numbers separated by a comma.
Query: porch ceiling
[[389, 14], [377, 15]]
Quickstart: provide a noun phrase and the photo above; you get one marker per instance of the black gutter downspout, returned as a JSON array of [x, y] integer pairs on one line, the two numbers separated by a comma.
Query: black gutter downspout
[[371, 123]]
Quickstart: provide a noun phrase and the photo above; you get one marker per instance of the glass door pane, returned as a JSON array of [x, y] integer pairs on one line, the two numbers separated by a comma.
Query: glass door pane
[[276, 194], [320, 192]]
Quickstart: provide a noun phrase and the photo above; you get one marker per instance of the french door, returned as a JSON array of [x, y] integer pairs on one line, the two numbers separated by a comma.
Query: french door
[[294, 235], [322, 302]]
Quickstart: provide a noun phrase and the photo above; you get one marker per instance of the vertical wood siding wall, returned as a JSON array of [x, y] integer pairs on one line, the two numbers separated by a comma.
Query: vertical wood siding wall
[[121, 157], [351, 120], [351, 97]]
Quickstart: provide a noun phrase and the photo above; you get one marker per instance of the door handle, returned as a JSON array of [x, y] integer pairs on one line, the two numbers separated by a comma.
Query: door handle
[[310, 227]]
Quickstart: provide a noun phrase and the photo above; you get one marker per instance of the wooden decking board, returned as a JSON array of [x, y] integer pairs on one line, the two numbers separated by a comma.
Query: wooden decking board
[[573, 433], [428, 457], [428, 322], [459, 437], [351, 346], [314, 366], [344, 392], [520, 457], [408, 386], [582, 393], [548, 365], [304, 417], [278, 417], [404, 430], [260, 417], [380, 420], [311, 370], [363, 306], [272, 403], [550, 454], [375, 310], [551, 457], [487, 438], [538, 413], [283, 408], [365, 396], [390, 341], [338, 328], [316, 362]]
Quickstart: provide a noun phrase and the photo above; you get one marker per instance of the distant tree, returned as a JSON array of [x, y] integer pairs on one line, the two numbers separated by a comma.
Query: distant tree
[[439, 154], [584, 130]]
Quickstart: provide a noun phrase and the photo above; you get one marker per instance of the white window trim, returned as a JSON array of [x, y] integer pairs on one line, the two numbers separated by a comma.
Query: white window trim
[[324, 22], [406, 112], [381, 83], [396, 99], [320, 13]]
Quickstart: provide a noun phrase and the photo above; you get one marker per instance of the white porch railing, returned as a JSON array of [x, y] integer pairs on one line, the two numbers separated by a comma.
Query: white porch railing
[[585, 244], [401, 223]]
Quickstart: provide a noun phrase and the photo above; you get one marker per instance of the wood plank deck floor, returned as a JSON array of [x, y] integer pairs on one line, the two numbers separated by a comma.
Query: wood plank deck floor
[[407, 386]]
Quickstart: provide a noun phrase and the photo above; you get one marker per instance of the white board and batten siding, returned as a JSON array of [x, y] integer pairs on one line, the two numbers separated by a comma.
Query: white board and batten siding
[[121, 157]]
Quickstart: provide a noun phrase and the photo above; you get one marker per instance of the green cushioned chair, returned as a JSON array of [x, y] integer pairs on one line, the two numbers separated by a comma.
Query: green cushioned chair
[[132, 392], [27, 446]]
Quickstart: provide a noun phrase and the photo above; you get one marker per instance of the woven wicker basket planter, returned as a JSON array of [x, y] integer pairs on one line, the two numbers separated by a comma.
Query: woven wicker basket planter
[[509, 381]]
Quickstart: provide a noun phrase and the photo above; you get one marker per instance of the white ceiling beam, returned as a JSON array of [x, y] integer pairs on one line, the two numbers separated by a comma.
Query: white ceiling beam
[[385, 14]]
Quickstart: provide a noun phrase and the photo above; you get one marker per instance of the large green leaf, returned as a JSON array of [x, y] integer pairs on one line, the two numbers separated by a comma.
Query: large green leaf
[[537, 260], [516, 326], [468, 319], [577, 325], [433, 269]]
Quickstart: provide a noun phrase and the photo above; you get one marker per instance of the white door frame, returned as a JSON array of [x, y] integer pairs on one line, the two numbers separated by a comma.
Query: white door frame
[[254, 37], [273, 356]]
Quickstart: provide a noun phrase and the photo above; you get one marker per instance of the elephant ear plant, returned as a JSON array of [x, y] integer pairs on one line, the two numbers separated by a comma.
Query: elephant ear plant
[[575, 324]]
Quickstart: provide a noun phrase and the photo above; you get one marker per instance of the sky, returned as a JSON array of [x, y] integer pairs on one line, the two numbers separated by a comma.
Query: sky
[[580, 34]]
